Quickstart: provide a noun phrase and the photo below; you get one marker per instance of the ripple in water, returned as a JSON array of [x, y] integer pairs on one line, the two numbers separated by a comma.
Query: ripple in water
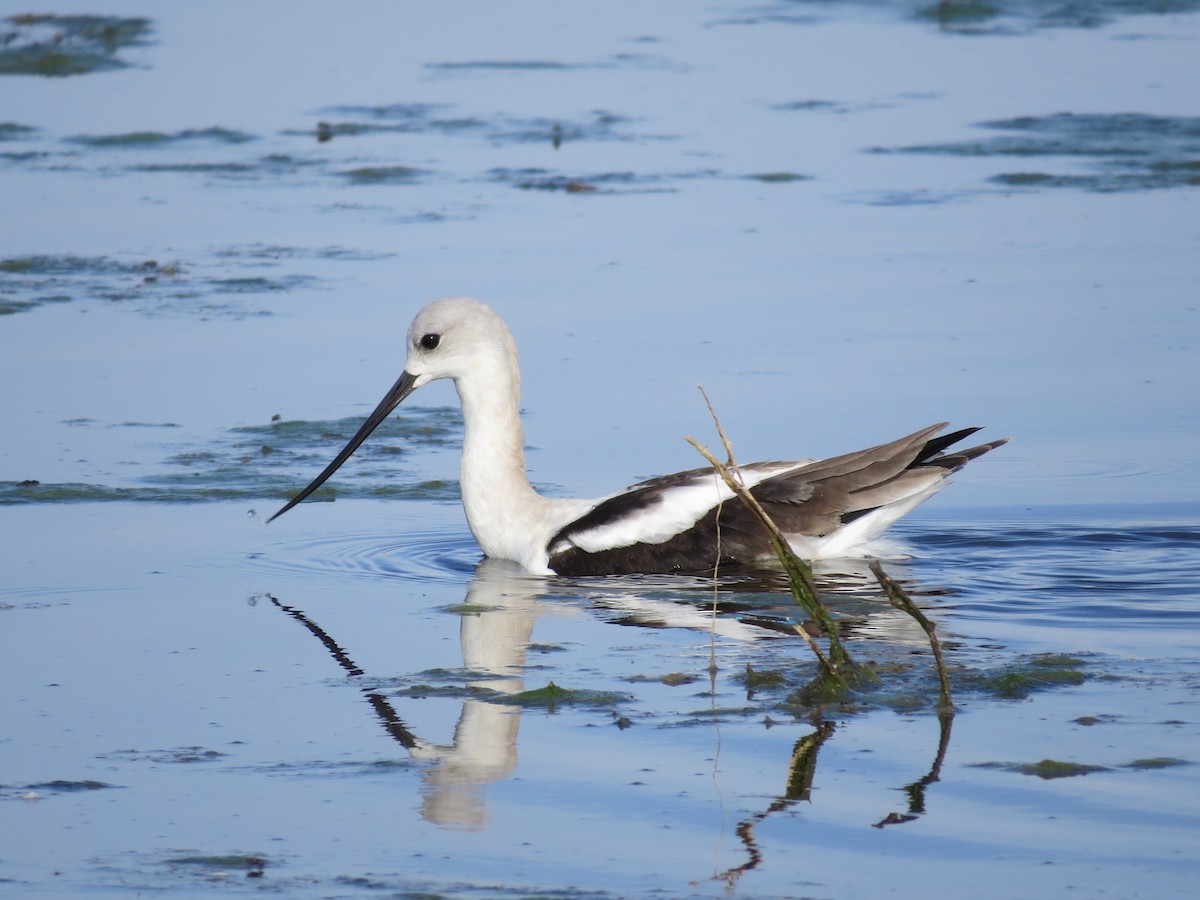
[[1132, 575], [441, 555]]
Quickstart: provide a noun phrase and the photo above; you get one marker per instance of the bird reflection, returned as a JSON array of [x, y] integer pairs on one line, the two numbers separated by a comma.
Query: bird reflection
[[504, 602], [484, 748], [494, 642]]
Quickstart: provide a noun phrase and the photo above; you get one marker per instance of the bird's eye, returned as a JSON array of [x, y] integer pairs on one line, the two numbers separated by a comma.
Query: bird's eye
[[430, 341]]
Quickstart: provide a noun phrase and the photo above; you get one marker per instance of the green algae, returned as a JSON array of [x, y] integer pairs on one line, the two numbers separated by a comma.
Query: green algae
[[1018, 17], [372, 175], [35, 280], [226, 861], [1049, 769], [758, 680], [54, 46], [675, 679], [69, 264], [269, 460], [1046, 769], [27, 282], [553, 696], [1034, 673], [152, 139], [779, 177], [1156, 762], [1125, 151], [64, 786]]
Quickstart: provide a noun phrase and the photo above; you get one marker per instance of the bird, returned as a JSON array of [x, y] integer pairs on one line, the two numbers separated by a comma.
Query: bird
[[681, 523]]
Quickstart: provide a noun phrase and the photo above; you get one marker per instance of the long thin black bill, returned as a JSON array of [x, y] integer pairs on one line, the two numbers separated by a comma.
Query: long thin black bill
[[404, 386]]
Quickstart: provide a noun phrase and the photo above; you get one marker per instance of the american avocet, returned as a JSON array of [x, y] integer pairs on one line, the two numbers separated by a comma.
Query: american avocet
[[676, 523]]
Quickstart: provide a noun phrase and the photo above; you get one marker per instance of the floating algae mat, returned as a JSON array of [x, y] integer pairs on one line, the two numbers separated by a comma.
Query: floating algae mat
[[58, 46]]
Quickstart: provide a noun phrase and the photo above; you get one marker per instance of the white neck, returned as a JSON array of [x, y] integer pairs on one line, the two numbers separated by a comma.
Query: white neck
[[503, 510]]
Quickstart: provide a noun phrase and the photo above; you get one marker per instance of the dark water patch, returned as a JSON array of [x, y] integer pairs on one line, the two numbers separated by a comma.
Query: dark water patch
[[198, 168], [405, 118], [327, 131], [776, 14], [27, 282], [63, 786], [1184, 175], [600, 126], [416, 113], [919, 197], [259, 285], [836, 106], [425, 426], [779, 177], [155, 139], [645, 61], [26, 156], [274, 460], [70, 265], [405, 887], [1022, 16], [217, 868], [9, 306], [808, 105], [974, 17], [56, 46], [11, 131], [337, 768], [158, 287], [422, 118], [186, 755], [1074, 134], [615, 61], [376, 175], [252, 171], [600, 183], [524, 65], [49, 788], [258, 253], [14, 493], [1127, 151]]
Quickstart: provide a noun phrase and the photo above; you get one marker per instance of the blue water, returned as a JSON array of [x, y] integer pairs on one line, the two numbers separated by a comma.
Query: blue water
[[845, 221]]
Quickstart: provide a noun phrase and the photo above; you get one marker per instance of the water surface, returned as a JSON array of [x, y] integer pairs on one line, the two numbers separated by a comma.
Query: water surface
[[845, 220]]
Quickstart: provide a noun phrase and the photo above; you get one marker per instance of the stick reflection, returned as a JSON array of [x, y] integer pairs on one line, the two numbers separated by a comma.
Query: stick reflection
[[495, 638]]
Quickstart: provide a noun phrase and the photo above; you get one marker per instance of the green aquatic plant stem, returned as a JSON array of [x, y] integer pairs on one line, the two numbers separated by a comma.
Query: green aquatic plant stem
[[899, 598], [800, 576], [801, 589]]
